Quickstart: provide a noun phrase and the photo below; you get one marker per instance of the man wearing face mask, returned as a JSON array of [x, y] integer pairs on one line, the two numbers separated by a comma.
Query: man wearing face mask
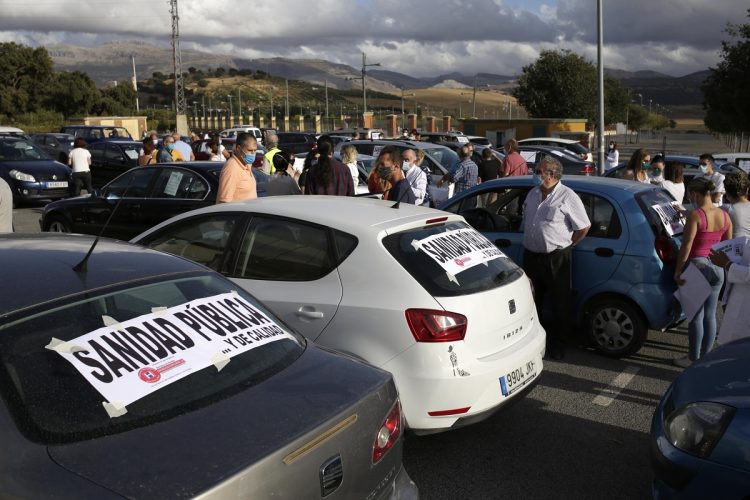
[[169, 153], [236, 181], [707, 167], [554, 221]]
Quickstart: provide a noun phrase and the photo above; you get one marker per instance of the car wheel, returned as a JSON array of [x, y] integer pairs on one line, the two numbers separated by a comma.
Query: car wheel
[[616, 328], [58, 224]]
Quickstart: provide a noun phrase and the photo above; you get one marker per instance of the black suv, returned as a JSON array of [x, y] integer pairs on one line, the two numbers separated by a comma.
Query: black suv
[[297, 142]]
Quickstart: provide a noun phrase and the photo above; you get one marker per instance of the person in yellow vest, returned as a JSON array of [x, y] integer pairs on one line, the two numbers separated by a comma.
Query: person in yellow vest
[[273, 148]]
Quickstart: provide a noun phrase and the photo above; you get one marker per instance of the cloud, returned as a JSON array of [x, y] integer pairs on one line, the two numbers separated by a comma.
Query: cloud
[[425, 37]]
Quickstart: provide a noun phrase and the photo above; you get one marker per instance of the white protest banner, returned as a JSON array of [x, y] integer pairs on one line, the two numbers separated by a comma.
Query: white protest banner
[[458, 250], [734, 248], [127, 361], [671, 216]]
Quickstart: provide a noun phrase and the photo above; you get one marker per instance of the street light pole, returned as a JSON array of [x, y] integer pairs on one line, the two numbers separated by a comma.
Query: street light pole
[[230, 104], [286, 110], [364, 75], [600, 64], [239, 104], [474, 100]]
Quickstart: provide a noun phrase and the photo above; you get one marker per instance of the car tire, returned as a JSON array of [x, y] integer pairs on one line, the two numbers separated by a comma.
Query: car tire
[[58, 224], [616, 328]]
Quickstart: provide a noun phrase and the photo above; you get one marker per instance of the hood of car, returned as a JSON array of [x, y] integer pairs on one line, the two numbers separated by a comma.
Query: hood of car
[[243, 442], [37, 167], [721, 376]]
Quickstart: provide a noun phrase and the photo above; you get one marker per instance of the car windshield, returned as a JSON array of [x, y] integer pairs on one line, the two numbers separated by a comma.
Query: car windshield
[[156, 345], [116, 132], [13, 149], [431, 253], [658, 206], [445, 156]]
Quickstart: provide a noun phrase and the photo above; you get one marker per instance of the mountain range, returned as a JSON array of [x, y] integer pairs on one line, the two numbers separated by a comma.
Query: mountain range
[[113, 62]]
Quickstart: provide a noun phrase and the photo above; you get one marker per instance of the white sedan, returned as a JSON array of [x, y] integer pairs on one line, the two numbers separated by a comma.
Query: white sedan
[[411, 290]]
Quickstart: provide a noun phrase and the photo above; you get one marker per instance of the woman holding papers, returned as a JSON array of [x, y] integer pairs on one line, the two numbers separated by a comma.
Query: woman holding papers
[[706, 225], [734, 324]]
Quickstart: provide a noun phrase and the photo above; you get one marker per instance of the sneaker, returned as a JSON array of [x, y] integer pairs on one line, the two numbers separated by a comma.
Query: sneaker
[[682, 362]]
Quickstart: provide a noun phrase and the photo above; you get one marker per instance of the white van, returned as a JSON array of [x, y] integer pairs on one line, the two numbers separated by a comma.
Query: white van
[[16, 132], [235, 131]]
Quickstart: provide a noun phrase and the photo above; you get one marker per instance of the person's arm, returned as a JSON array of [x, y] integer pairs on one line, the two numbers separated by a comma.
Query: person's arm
[[580, 234], [688, 235]]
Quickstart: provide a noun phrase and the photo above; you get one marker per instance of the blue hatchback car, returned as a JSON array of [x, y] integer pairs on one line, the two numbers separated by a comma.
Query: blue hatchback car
[[622, 271], [700, 433]]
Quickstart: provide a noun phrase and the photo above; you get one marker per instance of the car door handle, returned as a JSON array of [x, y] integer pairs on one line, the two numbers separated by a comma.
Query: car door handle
[[309, 313], [604, 252], [502, 242]]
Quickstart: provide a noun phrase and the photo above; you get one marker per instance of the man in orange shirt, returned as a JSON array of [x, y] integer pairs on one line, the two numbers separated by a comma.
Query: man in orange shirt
[[236, 181]]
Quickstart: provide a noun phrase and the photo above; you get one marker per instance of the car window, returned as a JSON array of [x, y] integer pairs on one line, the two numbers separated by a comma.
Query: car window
[[96, 150], [53, 402], [445, 156], [499, 210], [284, 250], [434, 167], [132, 184], [94, 133], [202, 239], [179, 183], [113, 153], [605, 222], [410, 250], [662, 220], [13, 149]]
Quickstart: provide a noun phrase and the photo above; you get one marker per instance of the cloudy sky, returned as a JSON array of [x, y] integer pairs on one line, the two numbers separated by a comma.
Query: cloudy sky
[[417, 37]]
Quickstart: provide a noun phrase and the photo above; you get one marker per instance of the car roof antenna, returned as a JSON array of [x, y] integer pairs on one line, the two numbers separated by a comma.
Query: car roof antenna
[[82, 266]]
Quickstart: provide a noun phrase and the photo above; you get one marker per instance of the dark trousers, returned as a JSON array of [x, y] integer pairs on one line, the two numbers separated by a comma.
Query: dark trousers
[[81, 178], [550, 273]]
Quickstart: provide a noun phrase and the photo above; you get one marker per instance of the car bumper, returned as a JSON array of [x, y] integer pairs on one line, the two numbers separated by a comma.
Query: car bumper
[[38, 191], [678, 474], [431, 380], [402, 488], [658, 303]]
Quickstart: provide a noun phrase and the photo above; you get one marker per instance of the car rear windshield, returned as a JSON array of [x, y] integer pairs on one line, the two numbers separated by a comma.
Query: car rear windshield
[[53, 402], [445, 156], [14, 149], [664, 220], [443, 279]]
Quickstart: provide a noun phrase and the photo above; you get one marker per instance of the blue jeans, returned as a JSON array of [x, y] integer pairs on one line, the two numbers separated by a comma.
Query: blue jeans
[[702, 328]]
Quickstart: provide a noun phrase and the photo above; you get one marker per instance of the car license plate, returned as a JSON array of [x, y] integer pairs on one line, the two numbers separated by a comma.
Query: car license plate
[[516, 379], [57, 184]]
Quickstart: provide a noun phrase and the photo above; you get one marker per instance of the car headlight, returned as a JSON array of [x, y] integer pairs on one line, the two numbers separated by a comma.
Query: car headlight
[[697, 427], [20, 176]]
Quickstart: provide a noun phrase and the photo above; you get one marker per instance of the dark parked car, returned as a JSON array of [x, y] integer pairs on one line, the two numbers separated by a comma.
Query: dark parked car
[[146, 196], [699, 433], [297, 142], [109, 159], [30, 172], [622, 270], [56, 145], [145, 375], [95, 133], [572, 164]]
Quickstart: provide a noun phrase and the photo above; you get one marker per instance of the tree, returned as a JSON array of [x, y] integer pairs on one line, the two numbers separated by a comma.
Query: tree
[[637, 117], [726, 91], [72, 93], [118, 99], [561, 84], [24, 75]]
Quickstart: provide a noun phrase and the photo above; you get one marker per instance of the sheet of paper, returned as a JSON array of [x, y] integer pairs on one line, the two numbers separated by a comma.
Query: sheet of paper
[[734, 248], [694, 292], [671, 216]]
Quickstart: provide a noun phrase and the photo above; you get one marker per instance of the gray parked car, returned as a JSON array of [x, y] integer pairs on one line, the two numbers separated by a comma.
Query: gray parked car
[[144, 375], [57, 146]]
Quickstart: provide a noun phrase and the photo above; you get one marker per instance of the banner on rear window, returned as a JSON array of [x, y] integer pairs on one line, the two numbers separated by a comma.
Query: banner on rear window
[[671, 216], [458, 250], [127, 361]]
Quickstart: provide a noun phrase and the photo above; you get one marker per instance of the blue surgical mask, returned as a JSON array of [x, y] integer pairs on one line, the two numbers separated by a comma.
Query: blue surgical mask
[[406, 165], [170, 147], [536, 179], [703, 169], [249, 158]]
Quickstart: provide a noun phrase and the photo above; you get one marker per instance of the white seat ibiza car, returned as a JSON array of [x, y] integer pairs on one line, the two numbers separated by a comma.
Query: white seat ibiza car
[[412, 290]]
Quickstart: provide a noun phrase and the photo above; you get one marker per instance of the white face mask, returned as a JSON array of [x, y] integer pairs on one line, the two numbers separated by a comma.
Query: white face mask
[[155, 141], [406, 165]]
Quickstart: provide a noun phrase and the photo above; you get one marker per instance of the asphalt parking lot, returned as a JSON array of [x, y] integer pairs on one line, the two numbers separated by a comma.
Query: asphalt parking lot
[[582, 432]]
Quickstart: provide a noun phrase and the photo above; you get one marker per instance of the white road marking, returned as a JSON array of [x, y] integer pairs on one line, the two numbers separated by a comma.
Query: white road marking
[[611, 392]]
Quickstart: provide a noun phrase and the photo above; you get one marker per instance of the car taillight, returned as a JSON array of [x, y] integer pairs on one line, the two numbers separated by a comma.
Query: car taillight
[[428, 325], [388, 433], [665, 249], [588, 170]]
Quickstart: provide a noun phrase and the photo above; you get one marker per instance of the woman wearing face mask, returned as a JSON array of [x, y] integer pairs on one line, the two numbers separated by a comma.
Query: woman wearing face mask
[[656, 170], [638, 165], [613, 156], [236, 181], [379, 180], [706, 225], [738, 208]]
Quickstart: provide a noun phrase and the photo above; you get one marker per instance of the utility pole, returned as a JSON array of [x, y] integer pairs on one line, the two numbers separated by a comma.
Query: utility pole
[[135, 87], [600, 63], [239, 104], [364, 86], [474, 100], [286, 110], [326, 98], [179, 84], [230, 96]]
